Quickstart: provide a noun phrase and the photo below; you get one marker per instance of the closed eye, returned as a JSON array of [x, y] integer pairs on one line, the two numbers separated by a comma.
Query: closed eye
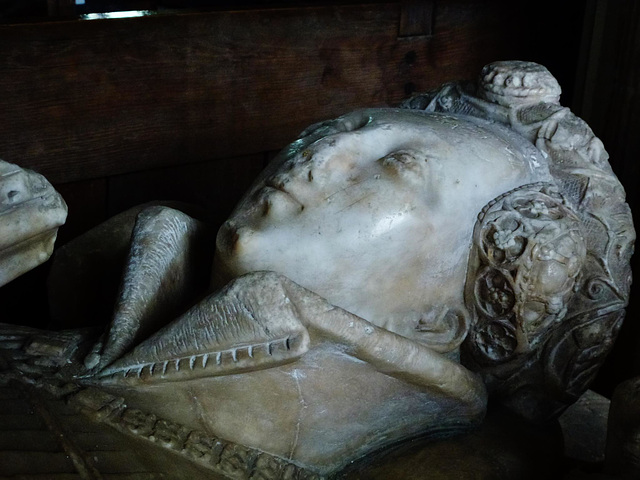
[[402, 163]]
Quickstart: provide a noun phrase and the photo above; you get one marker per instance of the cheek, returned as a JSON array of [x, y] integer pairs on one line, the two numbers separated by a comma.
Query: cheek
[[359, 238]]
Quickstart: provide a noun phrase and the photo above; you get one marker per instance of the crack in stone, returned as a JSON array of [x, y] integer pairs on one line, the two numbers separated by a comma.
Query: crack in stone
[[303, 406]]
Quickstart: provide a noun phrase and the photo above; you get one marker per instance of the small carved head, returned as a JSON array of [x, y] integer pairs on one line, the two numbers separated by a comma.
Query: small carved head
[[518, 83]]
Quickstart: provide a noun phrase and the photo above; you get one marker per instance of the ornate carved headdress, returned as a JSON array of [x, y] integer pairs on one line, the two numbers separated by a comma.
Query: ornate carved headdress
[[549, 272]]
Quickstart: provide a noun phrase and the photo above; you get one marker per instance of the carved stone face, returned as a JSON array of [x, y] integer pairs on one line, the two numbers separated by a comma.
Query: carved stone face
[[375, 212]]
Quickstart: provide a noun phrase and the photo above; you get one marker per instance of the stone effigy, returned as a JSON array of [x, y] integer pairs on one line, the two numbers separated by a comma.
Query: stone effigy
[[387, 271], [30, 213]]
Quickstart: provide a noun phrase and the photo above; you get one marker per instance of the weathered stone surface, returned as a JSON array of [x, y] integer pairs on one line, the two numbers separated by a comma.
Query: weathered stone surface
[[164, 269], [30, 213], [42, 437], [85, 273]]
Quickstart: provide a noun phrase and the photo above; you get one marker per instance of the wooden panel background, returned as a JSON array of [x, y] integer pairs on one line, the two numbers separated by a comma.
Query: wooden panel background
[[90, 99]]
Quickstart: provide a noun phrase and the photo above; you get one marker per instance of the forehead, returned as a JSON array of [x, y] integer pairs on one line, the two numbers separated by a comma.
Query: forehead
[[372, 134]]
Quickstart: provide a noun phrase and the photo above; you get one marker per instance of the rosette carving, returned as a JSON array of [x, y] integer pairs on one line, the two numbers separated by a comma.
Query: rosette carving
[[529, 250], [548, 299]]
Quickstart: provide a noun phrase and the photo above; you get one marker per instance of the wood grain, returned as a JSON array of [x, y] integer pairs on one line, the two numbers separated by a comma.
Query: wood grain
[[88, 99], [416, 18]]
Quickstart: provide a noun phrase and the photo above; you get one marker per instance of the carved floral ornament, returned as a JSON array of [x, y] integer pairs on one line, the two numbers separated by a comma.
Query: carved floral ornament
[[530, 250]]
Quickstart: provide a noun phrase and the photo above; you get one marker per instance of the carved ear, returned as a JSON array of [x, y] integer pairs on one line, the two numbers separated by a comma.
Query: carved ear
[[443, 329]]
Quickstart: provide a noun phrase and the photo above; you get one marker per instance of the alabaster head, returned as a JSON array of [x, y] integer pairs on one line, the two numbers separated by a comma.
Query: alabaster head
[[375, 212], [482, 213]]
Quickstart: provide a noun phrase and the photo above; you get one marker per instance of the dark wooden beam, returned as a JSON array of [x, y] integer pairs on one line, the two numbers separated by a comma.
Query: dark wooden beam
[[88, 99], [416, 18]]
